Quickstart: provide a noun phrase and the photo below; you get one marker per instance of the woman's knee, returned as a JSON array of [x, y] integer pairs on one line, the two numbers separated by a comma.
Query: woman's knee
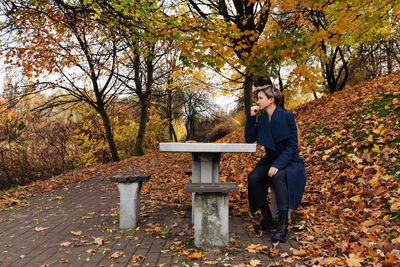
[[279, 177], [254, 177]]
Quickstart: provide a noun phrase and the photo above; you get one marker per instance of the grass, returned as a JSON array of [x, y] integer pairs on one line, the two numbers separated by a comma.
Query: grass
[[380, 107], [9, 190]]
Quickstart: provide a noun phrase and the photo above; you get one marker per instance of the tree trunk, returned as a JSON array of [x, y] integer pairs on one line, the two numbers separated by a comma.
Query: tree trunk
[[389, 49], [144, 114], [109, 134], [247, 92], [172, 134]]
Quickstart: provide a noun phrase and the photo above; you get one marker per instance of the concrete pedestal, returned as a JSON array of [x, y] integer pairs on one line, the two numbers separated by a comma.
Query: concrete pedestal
[[129, 204], [211, 219]]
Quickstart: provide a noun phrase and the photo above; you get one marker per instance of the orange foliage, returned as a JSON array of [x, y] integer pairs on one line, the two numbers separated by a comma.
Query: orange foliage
[[350, 211]]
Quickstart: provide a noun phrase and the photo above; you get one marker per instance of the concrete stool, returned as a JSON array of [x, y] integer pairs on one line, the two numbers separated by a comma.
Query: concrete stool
[[129, 186], [211, 213]]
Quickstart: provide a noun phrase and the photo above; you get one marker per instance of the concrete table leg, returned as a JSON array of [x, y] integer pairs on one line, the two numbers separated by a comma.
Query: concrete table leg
[[205, 169], [211, 220], [129, 204]]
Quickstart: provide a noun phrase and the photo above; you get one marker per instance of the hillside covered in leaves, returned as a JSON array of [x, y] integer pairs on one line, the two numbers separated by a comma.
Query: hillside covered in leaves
[[350, 212]]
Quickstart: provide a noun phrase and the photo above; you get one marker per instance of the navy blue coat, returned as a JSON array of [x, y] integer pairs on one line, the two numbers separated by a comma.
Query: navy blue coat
[[279, 137]]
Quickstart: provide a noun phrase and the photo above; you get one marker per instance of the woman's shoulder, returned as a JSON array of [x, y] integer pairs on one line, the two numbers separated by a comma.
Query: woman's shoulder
[[286, 113]]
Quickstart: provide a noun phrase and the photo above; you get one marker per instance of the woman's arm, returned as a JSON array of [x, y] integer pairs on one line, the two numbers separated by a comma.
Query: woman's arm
[[250, 131], [291, 147]]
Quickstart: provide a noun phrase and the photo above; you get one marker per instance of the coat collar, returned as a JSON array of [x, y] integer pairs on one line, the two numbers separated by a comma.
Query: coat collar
[[275, 131]]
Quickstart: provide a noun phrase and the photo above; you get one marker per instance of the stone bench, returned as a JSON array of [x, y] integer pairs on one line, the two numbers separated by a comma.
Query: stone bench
[[211, 212], [273, 206], [129, 186]]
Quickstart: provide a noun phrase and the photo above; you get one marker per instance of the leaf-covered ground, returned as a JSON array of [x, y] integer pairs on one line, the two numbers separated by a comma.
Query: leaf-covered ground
[[350, 212]]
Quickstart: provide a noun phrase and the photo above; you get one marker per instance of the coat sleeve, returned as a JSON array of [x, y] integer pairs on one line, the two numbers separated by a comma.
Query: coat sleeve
[[291, 147], [250, 130]]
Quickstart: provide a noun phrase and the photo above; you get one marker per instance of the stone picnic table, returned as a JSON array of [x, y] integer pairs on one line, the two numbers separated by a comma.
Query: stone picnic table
[[206, 157], [210, 202]]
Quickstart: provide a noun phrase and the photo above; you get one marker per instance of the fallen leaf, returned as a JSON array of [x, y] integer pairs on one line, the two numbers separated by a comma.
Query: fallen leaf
[[77, 233], [273, 252], [255, 262], [194, 256], [329, 261], [299, 252], [98, 241], [40, 229], [138, 258], [66, 244], [91, 251], [354, 260], [116, 255], [253, 248], [182, 233]]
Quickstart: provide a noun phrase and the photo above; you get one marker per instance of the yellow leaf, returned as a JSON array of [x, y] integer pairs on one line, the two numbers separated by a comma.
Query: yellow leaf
[[374, 182], [76, 233], [380, 130], [395, 101], [375, 148], [255, 262], [253, 248], [356, 198], [194, 256], [396, 241], [354, 260]]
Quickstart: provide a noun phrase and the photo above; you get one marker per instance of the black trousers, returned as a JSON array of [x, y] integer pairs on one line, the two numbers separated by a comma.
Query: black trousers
[[258, 183]]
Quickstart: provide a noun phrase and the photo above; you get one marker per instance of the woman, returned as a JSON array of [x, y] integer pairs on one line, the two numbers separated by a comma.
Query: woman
[[281, 167]]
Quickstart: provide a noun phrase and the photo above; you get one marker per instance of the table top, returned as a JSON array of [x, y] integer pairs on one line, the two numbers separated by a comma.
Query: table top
[[208, 147]]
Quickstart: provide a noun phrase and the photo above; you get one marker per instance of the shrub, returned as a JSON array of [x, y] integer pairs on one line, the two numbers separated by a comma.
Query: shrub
[[219, 131]]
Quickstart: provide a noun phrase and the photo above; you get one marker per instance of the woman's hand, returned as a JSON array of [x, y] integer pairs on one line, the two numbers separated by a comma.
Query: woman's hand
[[272, 171], [254, 110]]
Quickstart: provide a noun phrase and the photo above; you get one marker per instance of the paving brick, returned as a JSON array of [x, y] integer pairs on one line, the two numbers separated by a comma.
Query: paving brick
[[92, 207]]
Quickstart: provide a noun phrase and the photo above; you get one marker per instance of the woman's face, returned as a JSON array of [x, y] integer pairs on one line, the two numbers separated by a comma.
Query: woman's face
[[263, 101]]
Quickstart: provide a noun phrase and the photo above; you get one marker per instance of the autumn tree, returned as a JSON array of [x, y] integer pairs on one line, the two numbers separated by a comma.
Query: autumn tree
[[144, 30], [339, 32], [60, 47], [169, 92], [247, 20]]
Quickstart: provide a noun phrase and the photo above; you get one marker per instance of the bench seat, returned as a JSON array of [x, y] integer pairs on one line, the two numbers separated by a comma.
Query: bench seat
[[211, 213], [129, 185]]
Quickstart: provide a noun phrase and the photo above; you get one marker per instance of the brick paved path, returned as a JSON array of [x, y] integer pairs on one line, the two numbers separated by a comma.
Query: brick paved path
[[74, 216]]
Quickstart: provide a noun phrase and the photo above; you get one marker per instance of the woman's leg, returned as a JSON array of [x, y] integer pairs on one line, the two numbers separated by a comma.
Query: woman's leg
[[281, 191], [282, 200], [258, 183]]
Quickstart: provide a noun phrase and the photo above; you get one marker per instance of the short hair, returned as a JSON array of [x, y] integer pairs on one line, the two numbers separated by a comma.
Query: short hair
[[270, 91]]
